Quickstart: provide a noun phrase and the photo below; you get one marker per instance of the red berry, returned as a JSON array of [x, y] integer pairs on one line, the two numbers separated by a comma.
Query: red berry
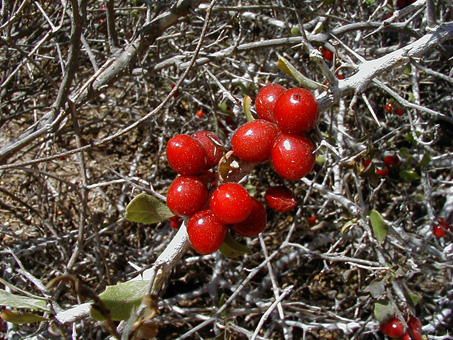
[[176, 94], [389, 107], [443, 224], [399, 112], [280, 199], [293, 156], [438, 231], [391, 160], [255, 222], [206, 233], [265, 101], [340, 77], [186, 155], [213, 152], [200, 113], [230, 203], [312, 221], [326, 54], [186, 195], [296, 111], [416, 336], [382, 172], [394, 328], [175, 222], [414, 324], [252, 142]]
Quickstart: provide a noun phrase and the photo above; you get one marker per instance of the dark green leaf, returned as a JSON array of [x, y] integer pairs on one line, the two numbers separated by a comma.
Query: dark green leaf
[[232, 248], [409, 176], [147, 209], [425, 160], [379, 226]]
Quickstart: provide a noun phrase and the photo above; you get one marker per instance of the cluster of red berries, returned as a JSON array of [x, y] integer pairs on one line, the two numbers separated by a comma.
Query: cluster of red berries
[[390, 107], [394, 329], [440, 229], [279, 135]]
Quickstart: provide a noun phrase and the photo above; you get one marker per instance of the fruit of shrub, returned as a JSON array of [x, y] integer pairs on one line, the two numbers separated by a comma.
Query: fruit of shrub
[[416, 335], [293, 156], [200, 114], [252, 142], [230, 203], [186, 155], [326, 53], [391, 160], [382, 172], [389, 107], [399, 112], [255, 222], [280, 199], [213, 152], [175, 222], [393, 328], [414, 324], [312, 221], [265, 101], [438, 231], [206, 233], [186, 195], [296, 111]]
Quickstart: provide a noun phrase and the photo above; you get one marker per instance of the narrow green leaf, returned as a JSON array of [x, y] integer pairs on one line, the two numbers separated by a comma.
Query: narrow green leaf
[[289, 69], [21, 318], [247, 103], [19, 301], [383, 311], [120, 299], [380, 228], [409, 176], [147, 209], [425, 160], [232, 248], [404, 152]]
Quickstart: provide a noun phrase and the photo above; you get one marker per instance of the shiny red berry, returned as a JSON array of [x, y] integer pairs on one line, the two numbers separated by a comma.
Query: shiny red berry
[[312, 221], [175, 222], [389, 107], [230, 203], [255, 222], [414, 324], [199, 114], [252, 142], [206, 233], [293, 156], [391, 160], [212, 146], [296, 111], [438, 231], [393, 328], [382, 172], [186, 195], [399, 112], [280, 199], [265, 101], [186, 155], [416, 336], [326, 54]]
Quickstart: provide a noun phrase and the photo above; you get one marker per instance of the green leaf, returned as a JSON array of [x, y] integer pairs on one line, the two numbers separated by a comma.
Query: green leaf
[[21, 318], [147, 209], [383, 311], [369, 2], [247, 103], [413, 299], [18, 301], [409, 176], [380, 227], [223, 107], [404, 152], [425, 160], [120, 299], [232, 248], [289, 69]]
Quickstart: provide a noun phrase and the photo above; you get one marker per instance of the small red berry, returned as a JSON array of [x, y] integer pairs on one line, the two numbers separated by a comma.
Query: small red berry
[[280, 199], [176, 94], [265, 101], [414, 324], [382, 172], [175, 222], [186, 155], [230, 203], [391, 160], [340, 77], [186, 195], [416, 336], [214, 151], [399, 112], [438, 231], [296, 111], [393, 328], [444, 224], [389, 107], [206, 233], [252, 142], [255, 222], [200, 113], [326, 54], [293, 156], [312, 221]]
